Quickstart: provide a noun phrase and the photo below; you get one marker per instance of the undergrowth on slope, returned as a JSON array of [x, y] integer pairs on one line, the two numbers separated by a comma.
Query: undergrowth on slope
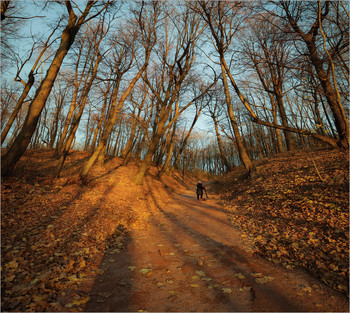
[[296, 212]]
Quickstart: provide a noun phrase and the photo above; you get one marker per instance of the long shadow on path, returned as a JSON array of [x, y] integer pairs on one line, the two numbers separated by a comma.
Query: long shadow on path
[[112, 285], [180, 234]]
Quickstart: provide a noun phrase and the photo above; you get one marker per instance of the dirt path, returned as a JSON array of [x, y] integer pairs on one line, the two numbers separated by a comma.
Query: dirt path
[[190, 258]]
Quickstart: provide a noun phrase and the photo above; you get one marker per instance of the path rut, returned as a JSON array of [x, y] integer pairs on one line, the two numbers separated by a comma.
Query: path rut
[[190, 259]]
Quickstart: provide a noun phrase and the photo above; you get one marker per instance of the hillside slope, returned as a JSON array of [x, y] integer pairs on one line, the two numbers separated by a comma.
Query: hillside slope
[[296, 212], [55, 231]]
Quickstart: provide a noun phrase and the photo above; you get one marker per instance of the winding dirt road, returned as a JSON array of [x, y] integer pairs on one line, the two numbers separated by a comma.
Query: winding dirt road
[[190, 258]]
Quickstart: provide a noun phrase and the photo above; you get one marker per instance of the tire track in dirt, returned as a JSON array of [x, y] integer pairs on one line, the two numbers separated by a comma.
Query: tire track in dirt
[[190, 258]]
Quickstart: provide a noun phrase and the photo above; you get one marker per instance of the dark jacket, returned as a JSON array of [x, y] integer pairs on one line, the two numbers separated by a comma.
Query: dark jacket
[[200, 189]]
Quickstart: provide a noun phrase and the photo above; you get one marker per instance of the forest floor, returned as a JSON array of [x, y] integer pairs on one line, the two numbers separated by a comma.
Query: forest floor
[[278, 242]]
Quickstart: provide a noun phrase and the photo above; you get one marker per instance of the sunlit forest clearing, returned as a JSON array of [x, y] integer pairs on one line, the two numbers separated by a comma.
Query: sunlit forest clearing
[[113, 112]]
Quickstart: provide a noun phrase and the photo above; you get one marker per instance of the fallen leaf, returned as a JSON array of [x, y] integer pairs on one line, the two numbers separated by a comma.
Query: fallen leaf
[[200, 273], [245, 289], [226, 290], [206, 278], [264, 280], [9, 278], [240, 276], [11, 265]]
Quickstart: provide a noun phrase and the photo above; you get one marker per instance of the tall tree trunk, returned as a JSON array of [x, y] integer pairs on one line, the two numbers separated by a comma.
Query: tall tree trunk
[[257, 141], [248, 164], [333, 99], [170, 146], [288, 135], [279, 143], [78, 117], [99, 125], [138, 178], [144, 134], [66, 124], [23, 139], [130, 141]]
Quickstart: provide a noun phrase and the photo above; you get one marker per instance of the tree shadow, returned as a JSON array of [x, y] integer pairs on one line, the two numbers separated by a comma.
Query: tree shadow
[[58, 253], [231, 258], [112, 288]]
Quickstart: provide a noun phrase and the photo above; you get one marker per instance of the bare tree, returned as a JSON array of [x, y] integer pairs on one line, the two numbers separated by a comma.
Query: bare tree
[[31, 78], [147, 23], [214, 109], [317, 14], [94, 58], [21, 142], [270, 55], [223, 21]]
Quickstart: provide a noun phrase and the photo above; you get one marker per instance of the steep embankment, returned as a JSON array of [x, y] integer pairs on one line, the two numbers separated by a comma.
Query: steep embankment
[[296, 212], [55, 231]]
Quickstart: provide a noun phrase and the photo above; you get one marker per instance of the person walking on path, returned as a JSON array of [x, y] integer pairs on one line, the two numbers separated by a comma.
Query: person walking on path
[[200, 189]]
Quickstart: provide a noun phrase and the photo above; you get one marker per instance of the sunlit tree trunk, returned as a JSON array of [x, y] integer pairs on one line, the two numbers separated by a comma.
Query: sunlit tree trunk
[[77, 118], [100, 121], [164, 114], [22, 141], [128, 147], [169, 146]]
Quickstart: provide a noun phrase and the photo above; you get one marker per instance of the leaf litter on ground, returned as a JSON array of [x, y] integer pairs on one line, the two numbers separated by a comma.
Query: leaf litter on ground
[[292, 217]]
